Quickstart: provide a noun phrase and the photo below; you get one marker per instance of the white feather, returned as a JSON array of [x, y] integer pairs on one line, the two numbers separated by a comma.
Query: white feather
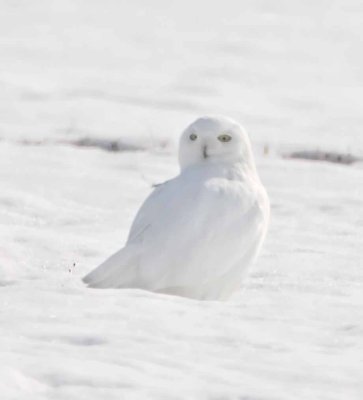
[[196, 234]]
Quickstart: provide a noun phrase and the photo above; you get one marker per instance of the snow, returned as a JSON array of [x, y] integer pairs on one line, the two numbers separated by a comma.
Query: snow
[[139, 73]]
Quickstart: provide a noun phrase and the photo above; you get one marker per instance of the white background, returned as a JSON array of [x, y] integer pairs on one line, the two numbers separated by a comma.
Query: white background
[[138, 73]]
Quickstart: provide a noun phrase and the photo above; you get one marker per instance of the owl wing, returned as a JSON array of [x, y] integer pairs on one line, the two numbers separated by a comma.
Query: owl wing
[[192, 232], [150, 210], [183, 234], [121, 269]]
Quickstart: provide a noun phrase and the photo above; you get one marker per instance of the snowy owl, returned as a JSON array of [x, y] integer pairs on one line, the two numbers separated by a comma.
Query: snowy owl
[[195, 235]]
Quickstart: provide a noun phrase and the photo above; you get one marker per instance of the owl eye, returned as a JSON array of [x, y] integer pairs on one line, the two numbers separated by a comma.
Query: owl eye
[[224, 138], [193, 136]]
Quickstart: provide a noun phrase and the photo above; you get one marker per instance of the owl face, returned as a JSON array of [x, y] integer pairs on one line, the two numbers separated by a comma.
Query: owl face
[[213, 140]]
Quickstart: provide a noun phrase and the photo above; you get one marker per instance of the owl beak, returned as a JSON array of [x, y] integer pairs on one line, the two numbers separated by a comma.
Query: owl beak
[[205, 154]]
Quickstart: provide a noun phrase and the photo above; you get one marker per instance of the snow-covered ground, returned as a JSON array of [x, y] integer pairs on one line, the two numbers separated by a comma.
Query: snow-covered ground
[[138, 72]]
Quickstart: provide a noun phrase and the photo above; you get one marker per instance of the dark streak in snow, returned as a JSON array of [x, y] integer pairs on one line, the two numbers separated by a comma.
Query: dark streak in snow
[[317, 155]]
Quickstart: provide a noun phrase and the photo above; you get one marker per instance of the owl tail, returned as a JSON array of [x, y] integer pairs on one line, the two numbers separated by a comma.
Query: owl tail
[[118, 271]]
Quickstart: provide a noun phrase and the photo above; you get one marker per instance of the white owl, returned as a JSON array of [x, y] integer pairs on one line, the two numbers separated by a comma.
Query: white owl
[[196, 234]]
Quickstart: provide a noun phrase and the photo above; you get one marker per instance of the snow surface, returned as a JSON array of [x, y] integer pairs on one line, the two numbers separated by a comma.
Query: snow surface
[[137, 73]]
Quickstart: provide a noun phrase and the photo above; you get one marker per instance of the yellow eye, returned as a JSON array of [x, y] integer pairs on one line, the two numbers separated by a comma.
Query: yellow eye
[[193, 136], [224, 138]]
